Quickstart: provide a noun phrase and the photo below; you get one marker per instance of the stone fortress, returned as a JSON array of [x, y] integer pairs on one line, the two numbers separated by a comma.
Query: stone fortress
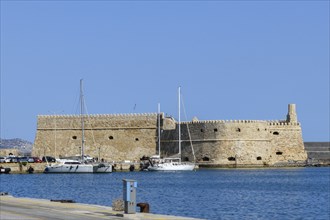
[[216, 143]]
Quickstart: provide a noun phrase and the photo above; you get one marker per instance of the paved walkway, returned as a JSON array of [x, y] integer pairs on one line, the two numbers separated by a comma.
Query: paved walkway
[[40, 209]]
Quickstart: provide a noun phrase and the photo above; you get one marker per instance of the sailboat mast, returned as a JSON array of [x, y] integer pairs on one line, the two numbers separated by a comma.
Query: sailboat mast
[[82, 119], [179, 126], [55, 134], [159, 130]]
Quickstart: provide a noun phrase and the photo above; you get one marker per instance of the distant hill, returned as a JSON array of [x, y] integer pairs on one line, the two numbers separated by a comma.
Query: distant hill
[[16, 143]]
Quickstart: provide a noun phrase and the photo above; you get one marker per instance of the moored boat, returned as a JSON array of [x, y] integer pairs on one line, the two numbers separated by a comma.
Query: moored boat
[[171, 163], [73, 166], [78, 166]]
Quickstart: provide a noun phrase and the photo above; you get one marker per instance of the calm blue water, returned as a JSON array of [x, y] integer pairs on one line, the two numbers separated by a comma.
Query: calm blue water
[[295, 193]]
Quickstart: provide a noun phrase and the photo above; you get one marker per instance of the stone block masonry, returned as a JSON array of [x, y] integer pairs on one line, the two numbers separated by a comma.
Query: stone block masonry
[[119, 137], [245, 143], [114, 137]]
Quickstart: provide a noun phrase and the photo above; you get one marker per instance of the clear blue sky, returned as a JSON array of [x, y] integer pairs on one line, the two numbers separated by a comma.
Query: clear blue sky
[[233, 59]]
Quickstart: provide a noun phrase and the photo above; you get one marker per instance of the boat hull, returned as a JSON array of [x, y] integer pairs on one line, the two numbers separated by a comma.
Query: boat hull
[[102, 168], [79, 168], [172, 167]]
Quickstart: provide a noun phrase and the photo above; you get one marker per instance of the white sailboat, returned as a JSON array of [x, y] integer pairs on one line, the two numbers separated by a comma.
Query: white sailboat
[[75, 166], [171, 163]]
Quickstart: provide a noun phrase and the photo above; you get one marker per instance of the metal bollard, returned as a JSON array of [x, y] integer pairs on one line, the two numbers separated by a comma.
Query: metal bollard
[[129, 196], [144, 207]]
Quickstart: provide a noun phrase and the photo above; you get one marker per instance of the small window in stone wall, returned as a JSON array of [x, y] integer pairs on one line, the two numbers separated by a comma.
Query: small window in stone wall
[[276, 133], [259, 158], [238, 129], [279, 153], [74, 137], [231, 158], [206, 159], [110, 137], [136, 139], [215, 130]]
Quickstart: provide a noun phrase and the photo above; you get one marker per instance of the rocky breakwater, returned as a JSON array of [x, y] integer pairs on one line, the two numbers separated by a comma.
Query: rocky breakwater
[[318, 153]]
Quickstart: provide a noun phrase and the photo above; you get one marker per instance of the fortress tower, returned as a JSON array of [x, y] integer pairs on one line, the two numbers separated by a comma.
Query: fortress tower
[[292, 115]]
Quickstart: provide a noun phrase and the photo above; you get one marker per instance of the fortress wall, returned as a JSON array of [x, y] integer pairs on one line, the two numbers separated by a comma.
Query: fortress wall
[[96, 121], [286, 142], [120, 137], [219, 140], [113, 137], [240, 142]]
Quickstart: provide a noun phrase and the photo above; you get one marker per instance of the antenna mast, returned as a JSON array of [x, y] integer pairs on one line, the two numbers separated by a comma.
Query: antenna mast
[[82, 119], [159, 130], [179, 126]]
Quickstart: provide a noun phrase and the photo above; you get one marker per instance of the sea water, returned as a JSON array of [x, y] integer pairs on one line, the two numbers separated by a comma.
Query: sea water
[[286, 193]]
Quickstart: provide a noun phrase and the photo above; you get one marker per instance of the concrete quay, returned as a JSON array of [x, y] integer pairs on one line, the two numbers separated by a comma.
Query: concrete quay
[[20, 168], [33, 209]]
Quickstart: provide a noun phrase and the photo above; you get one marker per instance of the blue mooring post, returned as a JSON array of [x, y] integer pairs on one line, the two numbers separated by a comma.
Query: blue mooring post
[[129, 196]]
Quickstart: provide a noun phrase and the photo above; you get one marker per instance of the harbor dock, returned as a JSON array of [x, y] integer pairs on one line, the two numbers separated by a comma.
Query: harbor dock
[[32, 209], [21, 168]]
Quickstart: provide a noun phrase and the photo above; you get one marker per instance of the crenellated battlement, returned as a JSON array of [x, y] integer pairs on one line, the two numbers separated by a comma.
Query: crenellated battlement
[[137, 115], [268, 122], [283, 123], [221, 121], [98, 121], [128, 115]]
